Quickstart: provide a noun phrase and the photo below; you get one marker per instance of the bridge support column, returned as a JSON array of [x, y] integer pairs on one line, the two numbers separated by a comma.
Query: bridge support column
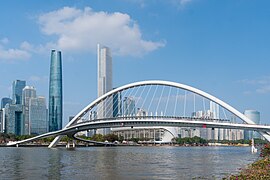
[[55, 141], [253, 149], [71, 145]]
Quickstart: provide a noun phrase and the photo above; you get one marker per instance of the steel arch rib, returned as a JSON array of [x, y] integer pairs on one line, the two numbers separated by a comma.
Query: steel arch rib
[[165, 83]]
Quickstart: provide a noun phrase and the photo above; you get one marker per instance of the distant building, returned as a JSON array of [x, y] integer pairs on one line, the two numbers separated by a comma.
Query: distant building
[[1, 120], [104, 79], [141, 112], [92, 115], [17, 89], [29, 92], [55, 92], [5, 101], [214, 109], [255, 117], [129, 108], [117, 104], [14, 119], [38, 119], [104, 70]]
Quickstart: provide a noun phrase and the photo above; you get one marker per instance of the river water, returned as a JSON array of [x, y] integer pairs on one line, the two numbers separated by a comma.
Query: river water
[[123, 162]]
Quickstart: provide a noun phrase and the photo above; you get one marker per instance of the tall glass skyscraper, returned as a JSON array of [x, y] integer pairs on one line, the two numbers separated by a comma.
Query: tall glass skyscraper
[[55, 92], [17, 89], [5, 101], [29, 92], [38, 115], [14, 121]]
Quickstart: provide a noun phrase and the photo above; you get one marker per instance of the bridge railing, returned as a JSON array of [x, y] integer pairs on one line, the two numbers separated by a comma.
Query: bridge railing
[[153, 117]]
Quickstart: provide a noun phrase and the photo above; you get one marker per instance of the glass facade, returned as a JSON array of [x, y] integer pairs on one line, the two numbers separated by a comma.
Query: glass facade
[[55, 92], [1, 120], [28, 93], [5, 101], [14, 119], [129, 108], [17, 89], [38, 116], [117, 104]]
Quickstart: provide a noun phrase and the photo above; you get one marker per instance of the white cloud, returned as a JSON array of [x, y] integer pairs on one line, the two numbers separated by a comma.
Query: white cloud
[[184, 2], [261, 84], [176, 3], [79, 30], [263, 89], [35, 78], [4, 40], [13, 54]]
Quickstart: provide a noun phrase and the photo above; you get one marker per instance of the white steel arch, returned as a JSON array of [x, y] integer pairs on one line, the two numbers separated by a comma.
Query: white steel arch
[[165, 83]]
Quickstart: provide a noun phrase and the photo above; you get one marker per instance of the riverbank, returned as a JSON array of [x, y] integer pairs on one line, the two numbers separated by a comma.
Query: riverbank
[[128, 144], [257, 170]]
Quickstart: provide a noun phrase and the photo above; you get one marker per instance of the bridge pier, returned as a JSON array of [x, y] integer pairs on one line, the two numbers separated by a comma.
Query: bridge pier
[[71, 145], [55, 141], [253, 149]]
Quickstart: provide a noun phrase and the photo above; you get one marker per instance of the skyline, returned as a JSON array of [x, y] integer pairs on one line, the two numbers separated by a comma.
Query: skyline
[[199, 43]]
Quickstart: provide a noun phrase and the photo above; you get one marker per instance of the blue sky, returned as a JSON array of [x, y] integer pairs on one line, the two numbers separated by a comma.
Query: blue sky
[[221, 47]]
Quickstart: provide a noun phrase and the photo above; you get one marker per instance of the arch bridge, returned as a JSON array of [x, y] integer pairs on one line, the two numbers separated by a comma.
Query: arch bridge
[[155, 103]]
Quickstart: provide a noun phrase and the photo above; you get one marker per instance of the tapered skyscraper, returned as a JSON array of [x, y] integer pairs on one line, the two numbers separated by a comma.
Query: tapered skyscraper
[[55, 92]]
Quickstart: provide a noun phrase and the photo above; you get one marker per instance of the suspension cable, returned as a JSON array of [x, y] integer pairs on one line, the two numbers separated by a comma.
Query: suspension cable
[[160, 99], [175, 102], [167, 101]]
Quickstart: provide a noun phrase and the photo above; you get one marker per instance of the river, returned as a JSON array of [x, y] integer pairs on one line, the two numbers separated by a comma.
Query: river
[[164, 162]]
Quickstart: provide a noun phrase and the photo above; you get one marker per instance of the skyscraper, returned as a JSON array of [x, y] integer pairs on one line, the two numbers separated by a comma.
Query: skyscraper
[[28, 93], [38, 115], [117, 104], [104, 69], [55, 92], [17, 89], [1, 120], [129, 108], [104, 82], [5, 101], [14, 121]]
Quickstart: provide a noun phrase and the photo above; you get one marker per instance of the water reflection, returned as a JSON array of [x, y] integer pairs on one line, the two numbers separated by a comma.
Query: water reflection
[[123, 162]]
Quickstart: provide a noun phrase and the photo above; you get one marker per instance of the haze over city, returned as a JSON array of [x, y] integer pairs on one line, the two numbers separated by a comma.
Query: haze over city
[[221, 47]]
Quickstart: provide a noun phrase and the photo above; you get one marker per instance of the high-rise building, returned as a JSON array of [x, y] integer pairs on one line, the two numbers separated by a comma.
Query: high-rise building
[[17, 89], [129, 108], [5, 101], [141, 112], [55, 92], [104, 83], [38, 115], [1, 120], [104, 70], [214, 109], [29, 92], [255, 117], [117, 104], [14, 120]]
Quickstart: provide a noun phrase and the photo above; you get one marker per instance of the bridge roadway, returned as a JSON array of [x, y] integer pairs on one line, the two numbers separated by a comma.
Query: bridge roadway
[[146, 121]]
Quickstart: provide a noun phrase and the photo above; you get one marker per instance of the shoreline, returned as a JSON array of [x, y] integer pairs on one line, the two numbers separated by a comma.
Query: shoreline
[[260, 169], [141, 145]]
